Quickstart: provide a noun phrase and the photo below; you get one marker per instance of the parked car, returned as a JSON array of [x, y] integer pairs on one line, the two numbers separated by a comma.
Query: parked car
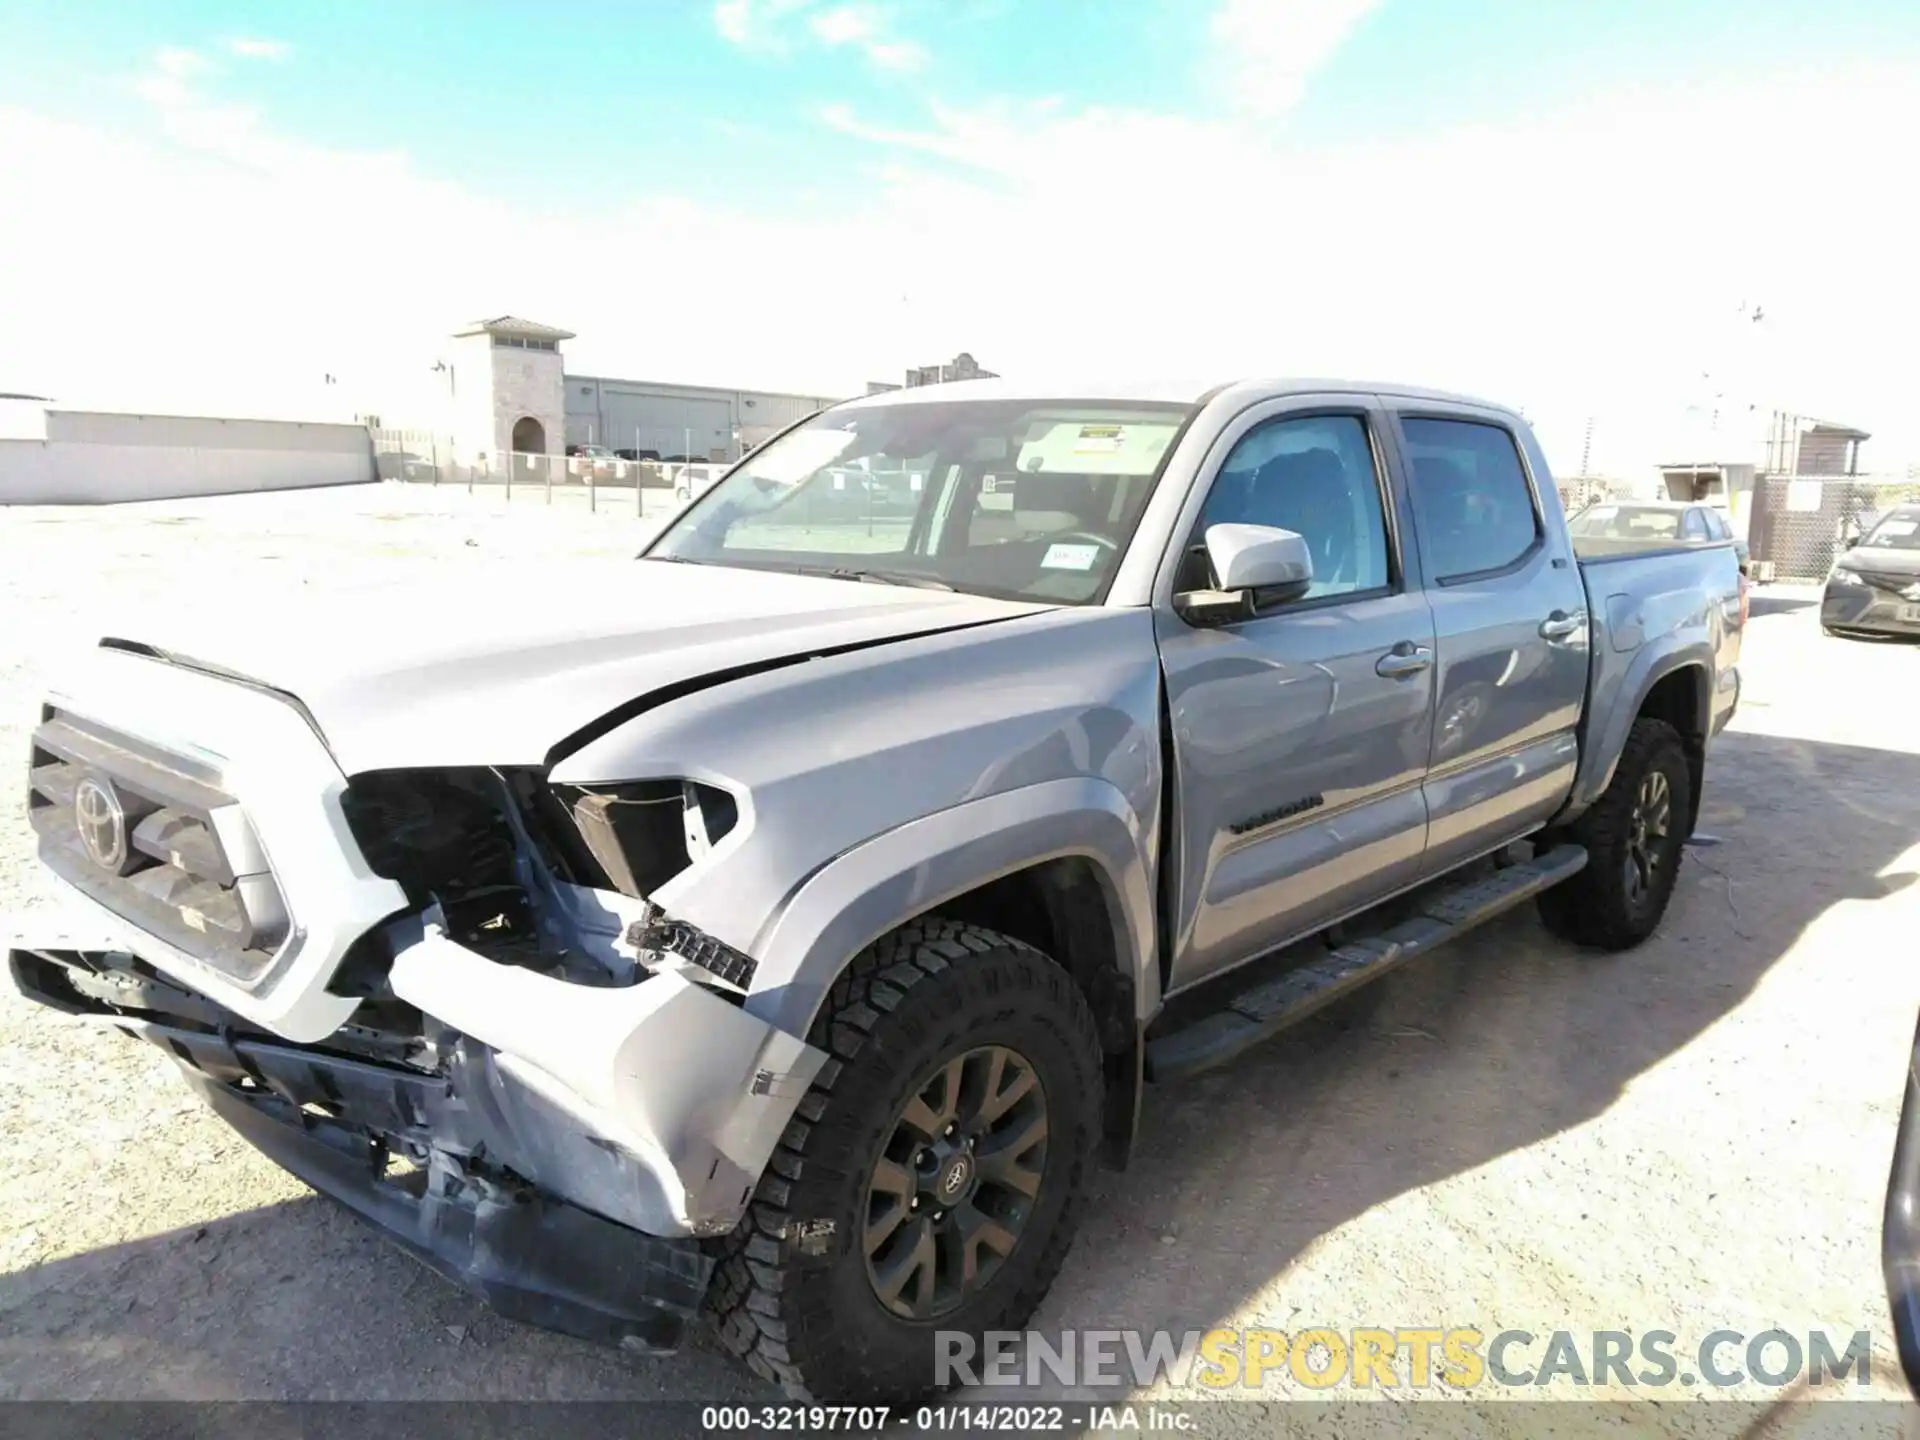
[[595, 462], [1670, 521], [785, 924], [403, 465], [1874, 587]]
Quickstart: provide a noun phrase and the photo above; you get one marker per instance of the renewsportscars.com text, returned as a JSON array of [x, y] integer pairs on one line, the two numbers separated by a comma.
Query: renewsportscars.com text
[[1404, 1357]]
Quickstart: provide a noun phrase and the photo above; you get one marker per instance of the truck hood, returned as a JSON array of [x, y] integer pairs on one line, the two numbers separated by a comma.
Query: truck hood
[[501, 667]]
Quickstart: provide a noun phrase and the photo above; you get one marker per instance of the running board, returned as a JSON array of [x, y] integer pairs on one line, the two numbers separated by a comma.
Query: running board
[[1265, 1010]]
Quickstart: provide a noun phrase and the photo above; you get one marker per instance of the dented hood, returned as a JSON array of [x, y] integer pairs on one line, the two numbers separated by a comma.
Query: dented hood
[[499, 666]]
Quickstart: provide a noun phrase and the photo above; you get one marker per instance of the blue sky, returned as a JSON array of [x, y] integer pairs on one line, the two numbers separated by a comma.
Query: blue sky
[[864, 184], [592, 102]]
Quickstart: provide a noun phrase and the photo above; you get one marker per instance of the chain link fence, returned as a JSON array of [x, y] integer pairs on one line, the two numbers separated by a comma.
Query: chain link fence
[[1800, 523], [637, 487]]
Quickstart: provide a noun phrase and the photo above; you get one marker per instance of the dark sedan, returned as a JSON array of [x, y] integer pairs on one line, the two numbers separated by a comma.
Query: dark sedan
[[1875, 587]]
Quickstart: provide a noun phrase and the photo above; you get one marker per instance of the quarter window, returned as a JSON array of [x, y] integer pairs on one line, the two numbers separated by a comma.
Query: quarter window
[[1471, 495], [1315, 476]]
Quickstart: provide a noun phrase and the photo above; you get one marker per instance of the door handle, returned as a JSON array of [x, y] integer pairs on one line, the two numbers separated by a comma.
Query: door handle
[[1403, 660], [1561, 626]]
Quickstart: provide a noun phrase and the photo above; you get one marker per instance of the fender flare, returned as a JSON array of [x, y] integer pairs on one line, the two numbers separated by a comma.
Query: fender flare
[[883, 882], [1604, 740]]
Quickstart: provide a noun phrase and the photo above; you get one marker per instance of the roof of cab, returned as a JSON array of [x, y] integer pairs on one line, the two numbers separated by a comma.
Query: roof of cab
[[1183, 392]]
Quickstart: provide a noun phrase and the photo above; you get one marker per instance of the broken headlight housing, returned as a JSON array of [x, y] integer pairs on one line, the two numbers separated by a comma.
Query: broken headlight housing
[[641, 833]]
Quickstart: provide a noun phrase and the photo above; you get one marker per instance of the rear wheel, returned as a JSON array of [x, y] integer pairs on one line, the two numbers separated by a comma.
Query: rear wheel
[[1634, 836], [931, 1178]]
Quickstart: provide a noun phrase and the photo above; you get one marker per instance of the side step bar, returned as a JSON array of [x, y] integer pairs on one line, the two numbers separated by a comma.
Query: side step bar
[[1265, 1010]]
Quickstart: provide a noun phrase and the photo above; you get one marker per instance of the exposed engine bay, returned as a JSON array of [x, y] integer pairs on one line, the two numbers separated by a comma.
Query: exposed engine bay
[[498, 857]]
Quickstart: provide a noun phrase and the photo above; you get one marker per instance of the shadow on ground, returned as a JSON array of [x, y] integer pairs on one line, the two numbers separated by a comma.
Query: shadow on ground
[[1494, 1045]]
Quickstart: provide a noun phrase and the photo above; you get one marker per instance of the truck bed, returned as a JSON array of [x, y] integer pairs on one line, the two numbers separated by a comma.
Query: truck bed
[[1653, 607]]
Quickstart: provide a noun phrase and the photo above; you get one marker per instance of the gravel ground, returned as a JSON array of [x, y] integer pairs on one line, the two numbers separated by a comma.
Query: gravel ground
[[1694, 1136]]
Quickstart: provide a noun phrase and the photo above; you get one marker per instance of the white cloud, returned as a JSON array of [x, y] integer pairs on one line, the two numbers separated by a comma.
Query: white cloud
[[754, 23], [253, 48], [864, 27], [771, 25], [1265, 51], [1583, 263]]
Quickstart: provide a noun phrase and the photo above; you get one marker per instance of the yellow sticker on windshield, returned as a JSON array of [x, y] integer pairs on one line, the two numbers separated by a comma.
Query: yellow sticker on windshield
[[1099, 440]]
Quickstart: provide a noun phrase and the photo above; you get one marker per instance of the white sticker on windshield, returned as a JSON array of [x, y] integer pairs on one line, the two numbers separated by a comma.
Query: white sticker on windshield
[[1070, 557]]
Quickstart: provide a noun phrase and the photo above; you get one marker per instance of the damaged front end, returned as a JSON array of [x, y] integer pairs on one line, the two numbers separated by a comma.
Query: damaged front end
[[547, 1091]]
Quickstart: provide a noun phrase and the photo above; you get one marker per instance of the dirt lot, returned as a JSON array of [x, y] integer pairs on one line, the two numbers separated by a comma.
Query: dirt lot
[[1508, 1135]]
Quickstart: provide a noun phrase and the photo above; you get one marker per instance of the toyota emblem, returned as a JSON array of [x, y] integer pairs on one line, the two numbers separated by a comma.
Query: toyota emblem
[[101, 822]]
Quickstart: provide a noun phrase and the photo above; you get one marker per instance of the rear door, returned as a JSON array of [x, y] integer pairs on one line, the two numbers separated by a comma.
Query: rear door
[[1510, 630], [1300, 732]]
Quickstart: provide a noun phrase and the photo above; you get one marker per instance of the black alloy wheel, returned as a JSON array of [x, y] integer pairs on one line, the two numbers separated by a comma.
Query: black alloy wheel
[[954, 1183]]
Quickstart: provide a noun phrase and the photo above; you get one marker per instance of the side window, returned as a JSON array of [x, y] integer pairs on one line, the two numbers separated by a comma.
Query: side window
[[1471, 495], [1717, 526], [1696, 526], [1315, 476]]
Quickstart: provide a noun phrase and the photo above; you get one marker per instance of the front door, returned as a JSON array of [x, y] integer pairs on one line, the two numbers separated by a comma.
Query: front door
[[1300, 733]]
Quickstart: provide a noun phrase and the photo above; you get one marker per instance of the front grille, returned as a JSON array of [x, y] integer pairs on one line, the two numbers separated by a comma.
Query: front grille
[[150, 835]]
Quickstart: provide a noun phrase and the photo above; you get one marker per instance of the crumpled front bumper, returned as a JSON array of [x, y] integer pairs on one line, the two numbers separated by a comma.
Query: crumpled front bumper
[[1869, 608], [562, 1160]]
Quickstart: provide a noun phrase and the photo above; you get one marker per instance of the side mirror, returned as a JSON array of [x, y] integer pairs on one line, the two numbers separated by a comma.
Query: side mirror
[[1259, 557], [1250, 562]]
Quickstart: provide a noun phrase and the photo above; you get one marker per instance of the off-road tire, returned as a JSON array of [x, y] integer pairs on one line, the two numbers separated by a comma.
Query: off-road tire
[[1594, 908], [791, 1294]]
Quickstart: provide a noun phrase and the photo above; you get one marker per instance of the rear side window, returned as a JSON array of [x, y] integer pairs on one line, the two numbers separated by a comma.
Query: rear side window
[[1471, 496]]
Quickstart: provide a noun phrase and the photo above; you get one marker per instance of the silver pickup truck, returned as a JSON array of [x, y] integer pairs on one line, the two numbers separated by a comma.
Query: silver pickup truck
[[785, 924]]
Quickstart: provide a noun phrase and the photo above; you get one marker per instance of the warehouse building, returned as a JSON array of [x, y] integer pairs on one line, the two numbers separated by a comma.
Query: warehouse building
[[509, 392], [671, 422]]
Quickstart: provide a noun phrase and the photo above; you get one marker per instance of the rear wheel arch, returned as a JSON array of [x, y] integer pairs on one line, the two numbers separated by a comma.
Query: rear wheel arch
[[1683, 698]]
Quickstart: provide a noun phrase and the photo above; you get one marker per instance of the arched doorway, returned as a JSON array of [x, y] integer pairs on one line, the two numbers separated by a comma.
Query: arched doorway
[[529, 436]]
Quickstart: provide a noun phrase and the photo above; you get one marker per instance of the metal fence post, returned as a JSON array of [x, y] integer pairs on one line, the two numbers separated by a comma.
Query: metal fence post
[[593, 501], [549, 472], [510, 475]]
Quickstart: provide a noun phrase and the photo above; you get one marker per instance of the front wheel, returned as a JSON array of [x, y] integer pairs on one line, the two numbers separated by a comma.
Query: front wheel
[[931, 1178], [1634, 836]]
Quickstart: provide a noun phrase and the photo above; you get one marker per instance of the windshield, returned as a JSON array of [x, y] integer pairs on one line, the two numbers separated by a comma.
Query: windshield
[[1027, 499], [1627, 522], [1899, 531]]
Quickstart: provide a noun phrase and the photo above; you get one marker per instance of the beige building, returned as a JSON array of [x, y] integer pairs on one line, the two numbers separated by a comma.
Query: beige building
[[506, 387], [508, 392]]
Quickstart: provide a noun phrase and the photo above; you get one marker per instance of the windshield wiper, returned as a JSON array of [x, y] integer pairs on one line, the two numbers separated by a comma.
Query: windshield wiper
[[911, 578]]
